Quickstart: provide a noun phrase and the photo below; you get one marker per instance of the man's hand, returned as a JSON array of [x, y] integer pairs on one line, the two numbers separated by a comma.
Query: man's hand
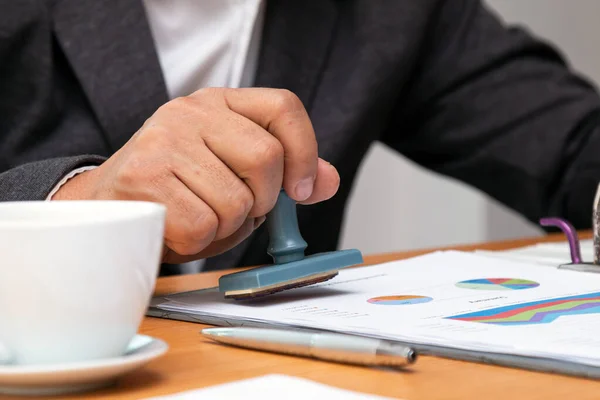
[[217, 159]]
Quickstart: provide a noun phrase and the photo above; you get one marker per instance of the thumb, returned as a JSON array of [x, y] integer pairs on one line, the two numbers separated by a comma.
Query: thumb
[[326, 185]]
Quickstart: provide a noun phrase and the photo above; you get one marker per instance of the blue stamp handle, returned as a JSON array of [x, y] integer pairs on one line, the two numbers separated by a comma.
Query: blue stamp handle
[[285, 241]]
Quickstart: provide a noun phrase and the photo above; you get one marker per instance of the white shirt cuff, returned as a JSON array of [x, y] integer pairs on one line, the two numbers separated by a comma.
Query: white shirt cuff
[[67, 177]]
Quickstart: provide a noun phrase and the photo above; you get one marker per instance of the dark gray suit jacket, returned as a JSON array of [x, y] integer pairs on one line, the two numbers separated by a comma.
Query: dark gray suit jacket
[[442, 82]]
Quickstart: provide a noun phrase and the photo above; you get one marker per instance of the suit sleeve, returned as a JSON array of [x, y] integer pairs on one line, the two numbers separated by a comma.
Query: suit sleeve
[[500, 110], [35, 180]]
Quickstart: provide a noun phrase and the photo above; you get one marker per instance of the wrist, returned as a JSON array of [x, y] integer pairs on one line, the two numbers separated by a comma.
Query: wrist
[[78, 187]]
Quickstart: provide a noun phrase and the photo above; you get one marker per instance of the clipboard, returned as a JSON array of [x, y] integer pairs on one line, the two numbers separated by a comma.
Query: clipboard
[[531, 363], [537, 364]]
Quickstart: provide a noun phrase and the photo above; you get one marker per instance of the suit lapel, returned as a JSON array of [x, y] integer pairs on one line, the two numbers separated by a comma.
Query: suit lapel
[[110, 48], [295, 45], [294, 49]]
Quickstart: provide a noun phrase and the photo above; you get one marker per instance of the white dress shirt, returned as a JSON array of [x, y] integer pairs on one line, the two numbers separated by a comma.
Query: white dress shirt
[[202, 43], [205, 43]]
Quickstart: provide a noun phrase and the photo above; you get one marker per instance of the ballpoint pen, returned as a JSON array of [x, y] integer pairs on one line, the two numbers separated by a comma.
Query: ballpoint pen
[[340, 348]]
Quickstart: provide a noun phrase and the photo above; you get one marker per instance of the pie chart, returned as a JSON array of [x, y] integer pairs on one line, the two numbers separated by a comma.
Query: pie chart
[[399, 300], [497, 284]]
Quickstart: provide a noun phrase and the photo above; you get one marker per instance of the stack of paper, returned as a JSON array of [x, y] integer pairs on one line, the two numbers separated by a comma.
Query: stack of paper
[[271, 387], [550, 254], [444, 300]]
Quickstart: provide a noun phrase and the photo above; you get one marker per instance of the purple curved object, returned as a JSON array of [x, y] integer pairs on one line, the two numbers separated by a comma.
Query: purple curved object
[[569, 232]]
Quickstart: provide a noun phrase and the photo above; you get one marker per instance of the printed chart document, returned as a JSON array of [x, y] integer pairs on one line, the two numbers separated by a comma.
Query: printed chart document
[[450, 299], [271, 387]]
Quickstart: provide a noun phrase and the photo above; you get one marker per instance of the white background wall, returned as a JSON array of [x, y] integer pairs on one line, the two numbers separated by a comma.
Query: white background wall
[[391, 208]]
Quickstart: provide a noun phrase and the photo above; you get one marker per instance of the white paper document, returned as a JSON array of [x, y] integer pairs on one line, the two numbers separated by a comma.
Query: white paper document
[[271, 387], [448, 298], [549, 254]]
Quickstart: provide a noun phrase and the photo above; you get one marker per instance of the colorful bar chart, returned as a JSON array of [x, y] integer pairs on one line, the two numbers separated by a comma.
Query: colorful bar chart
[[536, 312]]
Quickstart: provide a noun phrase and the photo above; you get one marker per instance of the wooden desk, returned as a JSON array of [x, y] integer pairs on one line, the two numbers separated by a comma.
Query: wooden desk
[[193, 362]]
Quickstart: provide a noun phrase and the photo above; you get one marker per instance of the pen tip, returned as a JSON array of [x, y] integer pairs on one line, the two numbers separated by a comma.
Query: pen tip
[[411, 356]]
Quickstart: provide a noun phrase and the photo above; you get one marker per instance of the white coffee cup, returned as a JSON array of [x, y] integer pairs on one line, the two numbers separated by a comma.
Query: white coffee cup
[[76, 277]]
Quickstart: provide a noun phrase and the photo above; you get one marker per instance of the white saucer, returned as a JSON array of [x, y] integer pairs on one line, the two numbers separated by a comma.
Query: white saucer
[[55, 379]]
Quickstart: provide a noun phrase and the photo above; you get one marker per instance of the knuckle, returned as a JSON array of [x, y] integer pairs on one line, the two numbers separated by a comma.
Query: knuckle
[[203, 228], [180, 108], [236, 207], [155, 138], [192, 107], [208, 92], [268, 153], [130, 172], [184, 104], [263, 208], [190, 230], [240, 203], [142, 172], [286, 101]]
